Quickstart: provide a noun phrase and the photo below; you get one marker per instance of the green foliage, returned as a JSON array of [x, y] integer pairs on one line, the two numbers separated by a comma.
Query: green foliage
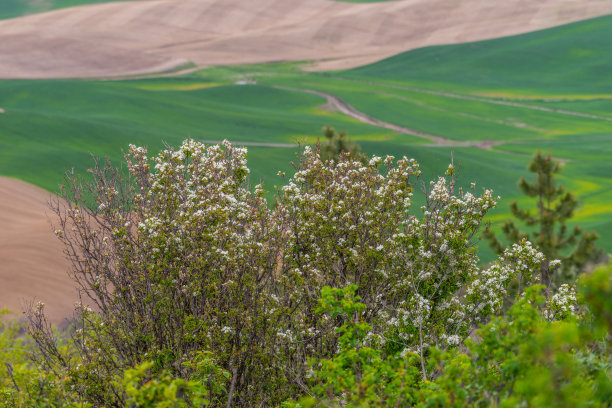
[[358, 375], [204, 387], [337, 143], [341, 292], [25, 382], [596, 290], [554, 206], [521, 359], [518, 359]]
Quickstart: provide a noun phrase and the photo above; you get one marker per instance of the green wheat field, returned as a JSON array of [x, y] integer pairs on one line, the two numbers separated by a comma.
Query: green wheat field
[[549, 90]]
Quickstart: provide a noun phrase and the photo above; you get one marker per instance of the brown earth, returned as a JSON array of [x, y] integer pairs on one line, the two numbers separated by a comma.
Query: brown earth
[[32, 266], [115, 39]]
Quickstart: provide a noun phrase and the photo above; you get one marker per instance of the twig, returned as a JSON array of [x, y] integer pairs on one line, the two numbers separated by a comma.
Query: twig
[[232, 387], [10, 373]]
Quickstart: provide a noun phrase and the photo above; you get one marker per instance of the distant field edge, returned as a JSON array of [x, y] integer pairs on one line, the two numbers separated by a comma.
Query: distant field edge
[[20, 8]]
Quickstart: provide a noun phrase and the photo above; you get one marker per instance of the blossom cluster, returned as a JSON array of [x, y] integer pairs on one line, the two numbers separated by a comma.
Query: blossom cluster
[[562, 304], [350, 222]]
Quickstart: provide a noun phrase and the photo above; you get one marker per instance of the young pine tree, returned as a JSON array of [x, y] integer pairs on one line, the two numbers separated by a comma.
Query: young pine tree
[[337, 143], [554, 206]]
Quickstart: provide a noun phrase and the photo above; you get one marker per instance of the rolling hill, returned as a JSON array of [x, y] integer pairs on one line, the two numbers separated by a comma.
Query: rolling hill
[[573, 59], [488, 104], [549, 89], [32, 264], [126, 38]]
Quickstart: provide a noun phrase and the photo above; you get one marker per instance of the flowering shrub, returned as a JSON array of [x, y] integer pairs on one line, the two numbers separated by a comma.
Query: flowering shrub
[[518, 359], [176, 258], [350, 222], [562, 304], [180, 255], [436, 258], [341, 220]]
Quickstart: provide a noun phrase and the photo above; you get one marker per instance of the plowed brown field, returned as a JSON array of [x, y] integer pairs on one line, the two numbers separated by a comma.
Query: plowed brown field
[[156, 35], [32, 265]]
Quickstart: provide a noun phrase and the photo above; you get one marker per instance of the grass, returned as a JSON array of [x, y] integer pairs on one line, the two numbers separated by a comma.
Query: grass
[[507, 90], [51, 126], [573, 58], [548, 89]]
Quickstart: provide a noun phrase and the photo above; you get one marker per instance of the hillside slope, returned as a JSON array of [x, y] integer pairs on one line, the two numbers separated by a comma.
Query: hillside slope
[[32, 265], [158, 35], [570, 58]]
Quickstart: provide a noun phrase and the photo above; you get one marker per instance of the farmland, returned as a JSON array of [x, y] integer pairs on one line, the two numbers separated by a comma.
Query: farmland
[[18, 8], [518, 94], [196, 291], [137, 37]]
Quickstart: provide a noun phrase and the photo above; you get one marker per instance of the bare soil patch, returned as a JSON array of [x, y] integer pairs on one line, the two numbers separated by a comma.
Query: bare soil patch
[[32, 265], [139, 37]]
